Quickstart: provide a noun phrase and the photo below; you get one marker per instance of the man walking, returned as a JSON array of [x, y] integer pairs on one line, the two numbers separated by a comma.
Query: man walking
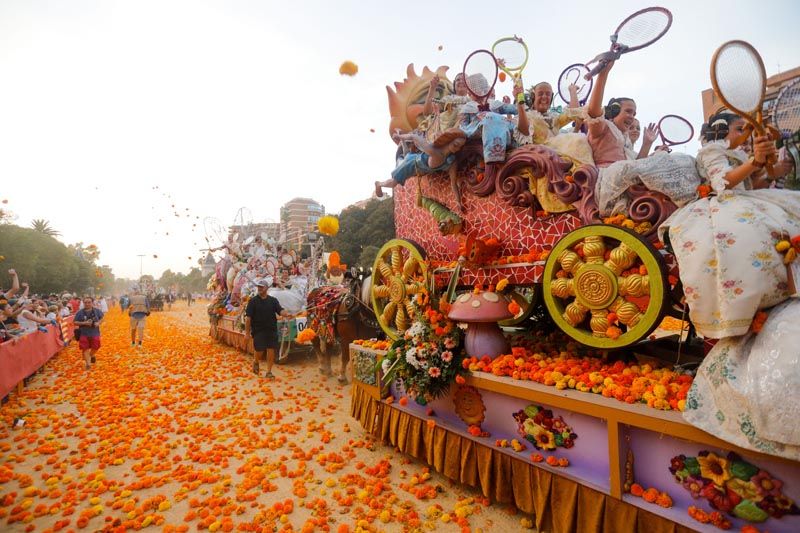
[[261, 323], [139, 310], [89, 320]]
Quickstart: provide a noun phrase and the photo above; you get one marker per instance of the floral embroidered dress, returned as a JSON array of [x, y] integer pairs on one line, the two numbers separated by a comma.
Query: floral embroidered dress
[[745, 392], [725, 246]]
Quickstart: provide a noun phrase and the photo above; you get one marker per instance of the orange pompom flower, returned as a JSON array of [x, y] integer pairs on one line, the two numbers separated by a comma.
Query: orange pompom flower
[[348, 68]]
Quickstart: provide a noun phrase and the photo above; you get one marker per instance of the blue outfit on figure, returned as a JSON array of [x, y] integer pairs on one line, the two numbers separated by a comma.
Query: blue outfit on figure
[[495, 128], [416, 164]]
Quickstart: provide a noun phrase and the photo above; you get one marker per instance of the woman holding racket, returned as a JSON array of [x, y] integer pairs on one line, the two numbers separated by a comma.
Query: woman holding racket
[[725, 242], [545, 125]]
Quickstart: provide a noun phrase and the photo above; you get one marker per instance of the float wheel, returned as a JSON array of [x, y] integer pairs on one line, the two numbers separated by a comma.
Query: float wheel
[[589, 277], [398, 274]]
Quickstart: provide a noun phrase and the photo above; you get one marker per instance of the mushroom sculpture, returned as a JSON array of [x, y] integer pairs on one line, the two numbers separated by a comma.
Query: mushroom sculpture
[[481, 311]]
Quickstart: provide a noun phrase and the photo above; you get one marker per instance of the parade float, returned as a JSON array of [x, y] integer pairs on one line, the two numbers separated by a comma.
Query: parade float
[[580, 425], [233, 284]]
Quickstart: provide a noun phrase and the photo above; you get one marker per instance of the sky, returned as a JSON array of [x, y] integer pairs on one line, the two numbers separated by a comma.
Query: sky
[[125, 123]]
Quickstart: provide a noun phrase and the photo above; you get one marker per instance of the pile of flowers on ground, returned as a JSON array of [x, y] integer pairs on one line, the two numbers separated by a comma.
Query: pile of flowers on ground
[[428, 357], [660, 388], [732, 485]]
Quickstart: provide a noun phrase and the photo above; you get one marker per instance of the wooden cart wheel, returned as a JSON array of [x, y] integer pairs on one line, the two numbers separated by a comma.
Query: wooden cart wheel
[[588, 276], [399, 273], [527, 298]]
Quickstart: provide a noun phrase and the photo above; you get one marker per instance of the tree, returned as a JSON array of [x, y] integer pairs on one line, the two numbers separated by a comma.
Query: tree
[[43, 226], [46, 264], [362, 231]]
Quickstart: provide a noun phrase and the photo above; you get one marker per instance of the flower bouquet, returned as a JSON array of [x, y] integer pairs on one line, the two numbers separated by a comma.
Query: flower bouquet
[[546, 432], [428, 357], [732, 485]]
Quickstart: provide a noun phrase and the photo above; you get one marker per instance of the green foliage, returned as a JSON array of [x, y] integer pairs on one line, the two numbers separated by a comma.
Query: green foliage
[[43, 226], [46, 264], [362, 230], [194, 281]]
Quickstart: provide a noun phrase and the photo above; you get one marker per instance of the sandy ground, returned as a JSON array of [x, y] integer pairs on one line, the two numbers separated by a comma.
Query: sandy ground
[[180, 435]]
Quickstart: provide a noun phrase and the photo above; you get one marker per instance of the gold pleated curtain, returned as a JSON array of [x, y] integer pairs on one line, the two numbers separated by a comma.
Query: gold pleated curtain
[[234, 339], [559, 505]]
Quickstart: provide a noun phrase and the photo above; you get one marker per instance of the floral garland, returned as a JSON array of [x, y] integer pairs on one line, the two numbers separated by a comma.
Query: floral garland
[[733, 486], [428, 357]]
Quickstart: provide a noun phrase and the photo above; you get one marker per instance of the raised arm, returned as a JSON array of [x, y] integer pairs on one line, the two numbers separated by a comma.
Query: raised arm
[[595, 107], [427, 109], [522, 117], [648, 138], [14, 283]]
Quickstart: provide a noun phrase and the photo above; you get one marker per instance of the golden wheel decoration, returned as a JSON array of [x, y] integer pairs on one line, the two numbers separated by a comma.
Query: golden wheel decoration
[[399, 273], [601, 272]]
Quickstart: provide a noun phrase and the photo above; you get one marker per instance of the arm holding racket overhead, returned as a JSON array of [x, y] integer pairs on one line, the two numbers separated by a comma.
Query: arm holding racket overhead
[[522, 117], [595, 106]]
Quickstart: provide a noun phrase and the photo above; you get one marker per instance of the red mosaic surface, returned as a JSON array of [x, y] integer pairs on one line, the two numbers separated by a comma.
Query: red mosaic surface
[[518, 229]]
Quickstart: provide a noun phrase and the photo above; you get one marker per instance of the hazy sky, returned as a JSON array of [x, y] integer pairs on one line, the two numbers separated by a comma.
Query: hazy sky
[[238, 103]]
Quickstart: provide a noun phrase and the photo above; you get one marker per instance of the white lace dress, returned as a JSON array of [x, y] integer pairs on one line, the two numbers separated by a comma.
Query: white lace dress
[[745, 392], [725, 246]]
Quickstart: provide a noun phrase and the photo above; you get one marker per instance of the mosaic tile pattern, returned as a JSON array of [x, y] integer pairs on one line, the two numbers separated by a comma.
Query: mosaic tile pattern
[[517, 228]]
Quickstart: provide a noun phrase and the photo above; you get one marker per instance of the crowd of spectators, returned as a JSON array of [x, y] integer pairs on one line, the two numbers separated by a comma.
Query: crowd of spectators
[[22, 313]]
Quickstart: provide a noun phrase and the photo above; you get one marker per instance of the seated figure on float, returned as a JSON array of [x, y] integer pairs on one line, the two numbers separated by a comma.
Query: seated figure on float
[[737, 283], [545, 125], [438, 156]]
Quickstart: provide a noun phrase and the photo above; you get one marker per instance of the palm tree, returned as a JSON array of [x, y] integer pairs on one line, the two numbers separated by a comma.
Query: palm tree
[[43, 226]]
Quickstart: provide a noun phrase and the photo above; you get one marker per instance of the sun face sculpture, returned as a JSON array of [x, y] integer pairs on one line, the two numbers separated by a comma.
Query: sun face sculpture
[[407, 98]]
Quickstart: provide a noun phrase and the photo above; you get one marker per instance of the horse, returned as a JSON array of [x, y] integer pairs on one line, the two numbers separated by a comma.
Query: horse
[[339, 315]]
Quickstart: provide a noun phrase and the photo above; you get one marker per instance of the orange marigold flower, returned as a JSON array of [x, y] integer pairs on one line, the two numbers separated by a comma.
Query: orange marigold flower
[[650, 495]]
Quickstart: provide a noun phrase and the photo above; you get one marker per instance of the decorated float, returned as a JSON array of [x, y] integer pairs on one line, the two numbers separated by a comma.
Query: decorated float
[[580, 425], [233, 284]]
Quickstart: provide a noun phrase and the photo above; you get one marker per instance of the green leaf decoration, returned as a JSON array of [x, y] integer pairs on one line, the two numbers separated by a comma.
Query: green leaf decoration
[[531, 411], [743, 470], [749, 511], [692, 465], [682, 474], [558, 439]]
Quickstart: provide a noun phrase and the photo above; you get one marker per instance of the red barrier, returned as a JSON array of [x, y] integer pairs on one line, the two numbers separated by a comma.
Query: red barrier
[[21, 357], [67, 329]]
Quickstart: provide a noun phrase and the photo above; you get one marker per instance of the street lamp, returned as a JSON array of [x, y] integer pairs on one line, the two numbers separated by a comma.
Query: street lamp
[[140, 256]]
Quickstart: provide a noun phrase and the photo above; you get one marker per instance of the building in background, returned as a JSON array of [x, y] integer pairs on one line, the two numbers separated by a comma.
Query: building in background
[[299, 217], [272, 230], [208, 265], [775, 83]]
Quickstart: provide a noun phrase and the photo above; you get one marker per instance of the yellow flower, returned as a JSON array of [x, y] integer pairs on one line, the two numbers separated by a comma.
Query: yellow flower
[[328, 225], [714, 468], [746, 489], [348, 68], [544, 439]]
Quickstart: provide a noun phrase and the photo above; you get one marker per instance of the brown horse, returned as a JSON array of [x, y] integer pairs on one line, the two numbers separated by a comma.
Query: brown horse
[[340, 315]]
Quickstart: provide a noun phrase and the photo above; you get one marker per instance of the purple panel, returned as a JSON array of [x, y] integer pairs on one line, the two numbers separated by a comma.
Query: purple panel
[[588, 458], [652, 453]]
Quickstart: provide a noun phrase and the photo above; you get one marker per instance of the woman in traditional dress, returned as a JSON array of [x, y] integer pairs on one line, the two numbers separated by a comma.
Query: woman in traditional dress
[[673, 175], [725, 242], [545, 125]]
